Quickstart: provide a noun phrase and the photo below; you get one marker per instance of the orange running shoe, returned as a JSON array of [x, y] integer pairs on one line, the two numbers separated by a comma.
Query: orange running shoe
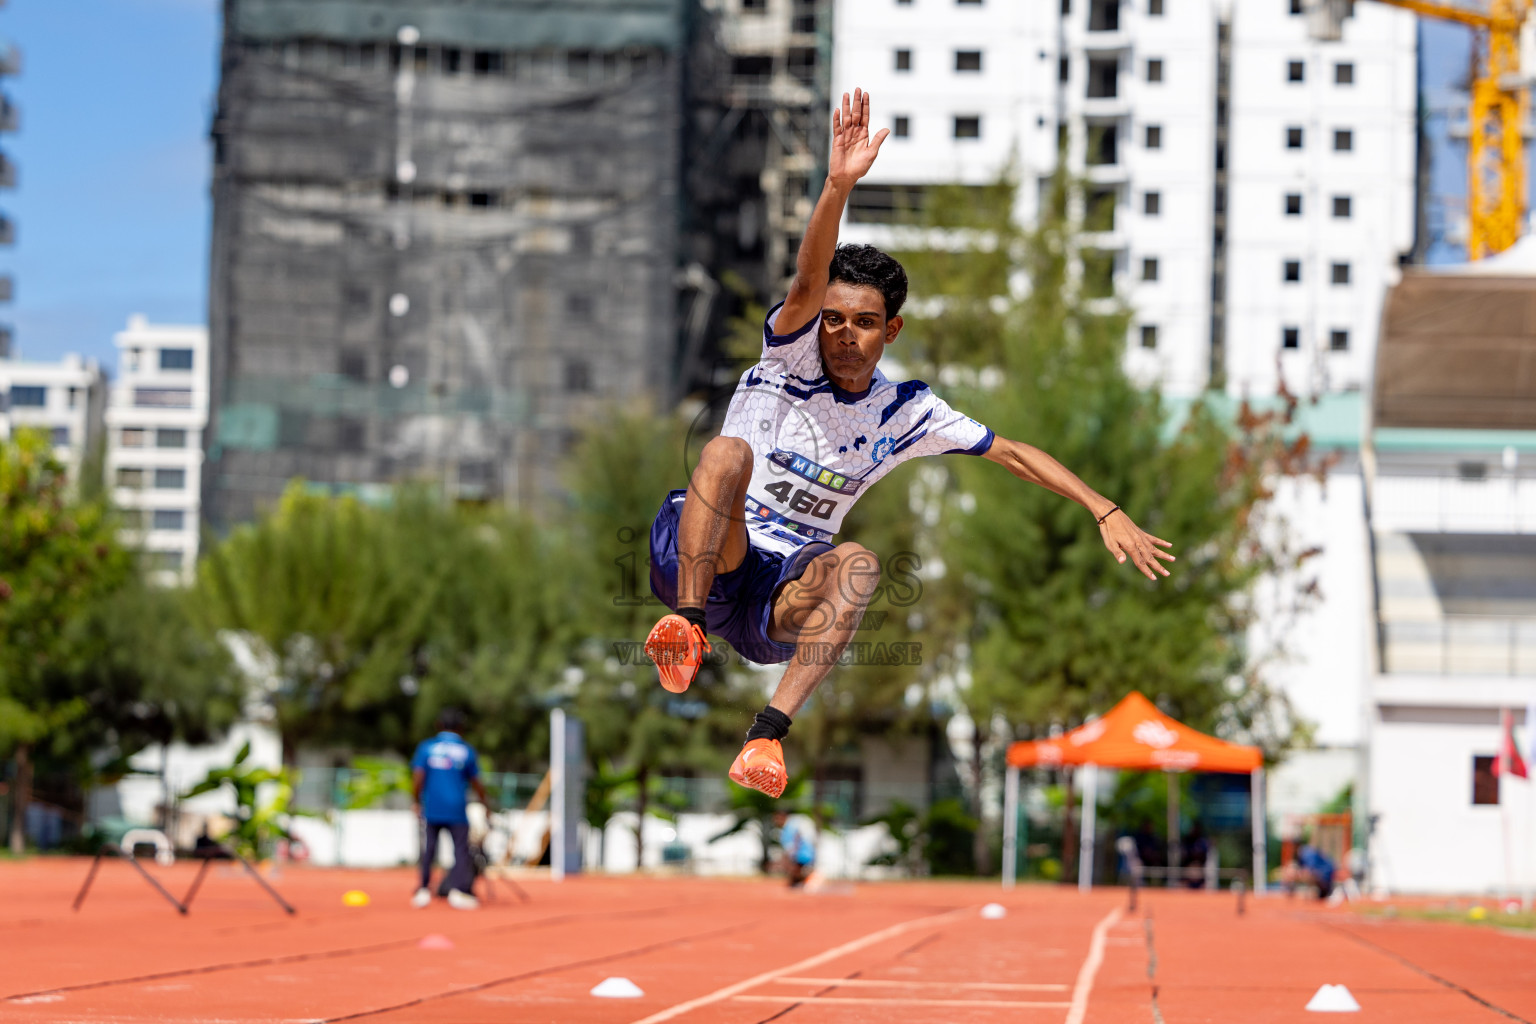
[[678, 648], [760, 766]]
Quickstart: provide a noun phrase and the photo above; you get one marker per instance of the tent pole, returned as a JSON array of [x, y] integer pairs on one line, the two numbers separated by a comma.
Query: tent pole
[[1173, 825], [1010, 826], [1085, 842], [1260, 841]]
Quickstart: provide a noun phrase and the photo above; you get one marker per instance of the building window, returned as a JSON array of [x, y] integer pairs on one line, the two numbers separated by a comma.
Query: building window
[[1152, 203], [1295, 71], [1293, 204], [170, 519], [1149, 336], [163, 561], [903, 60], [175, 359], [1293, 138], [168, 437], [1290, 337], [74, 397], [1103, 78], [130, 518], [1104, 16], [1154, 8], [967, 127], [579, 307], [901, 126], [1066, 6], [1063, 69], [59, 436], [1155, 70], [163, 398], [1295, 6], [489, 62], [1343, 73], [1338, 341], [1485, 784], [1153, 138], [967, 60], [170, 479], [130, 476], [899, 3], [1099, 209], [762, 5], [1340, 273], [1149, 269], [28, 396], [1103, 145], [1292, 272], [1343, 140], [134, 437], [1341, 207], [578, 376]]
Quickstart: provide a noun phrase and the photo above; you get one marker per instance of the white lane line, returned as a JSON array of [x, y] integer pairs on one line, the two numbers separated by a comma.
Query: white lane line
[[1090, 969], [990, 986], [809, 962], [866, 1001]]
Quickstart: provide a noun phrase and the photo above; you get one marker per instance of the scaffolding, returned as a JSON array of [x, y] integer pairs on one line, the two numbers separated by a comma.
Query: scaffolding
[[445, 234]]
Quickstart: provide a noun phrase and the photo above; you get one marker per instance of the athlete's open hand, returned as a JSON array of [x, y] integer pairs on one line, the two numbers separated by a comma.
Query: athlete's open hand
[[1127, 540], [853, 151]]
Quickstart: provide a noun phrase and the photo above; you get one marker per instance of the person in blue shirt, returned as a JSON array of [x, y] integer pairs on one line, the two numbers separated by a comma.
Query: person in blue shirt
[[799, 849], [444, 766]]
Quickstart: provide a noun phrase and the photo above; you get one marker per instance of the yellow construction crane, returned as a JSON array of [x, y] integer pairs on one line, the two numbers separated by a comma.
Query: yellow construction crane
[[1496, 176]]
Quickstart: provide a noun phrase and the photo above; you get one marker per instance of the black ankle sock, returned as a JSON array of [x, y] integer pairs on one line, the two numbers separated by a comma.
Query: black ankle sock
[[770, 724], [695, 616]]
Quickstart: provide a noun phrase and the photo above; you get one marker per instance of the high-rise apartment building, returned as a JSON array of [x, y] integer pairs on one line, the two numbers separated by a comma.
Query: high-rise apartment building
[[154, 457], [1322, 171], [1247, 191], [445, 236]]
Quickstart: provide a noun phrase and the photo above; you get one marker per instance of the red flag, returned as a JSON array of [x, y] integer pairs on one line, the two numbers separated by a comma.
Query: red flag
[[1509, 762]]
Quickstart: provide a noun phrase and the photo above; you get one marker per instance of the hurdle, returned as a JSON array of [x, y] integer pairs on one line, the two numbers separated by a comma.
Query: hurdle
[[165, 856]]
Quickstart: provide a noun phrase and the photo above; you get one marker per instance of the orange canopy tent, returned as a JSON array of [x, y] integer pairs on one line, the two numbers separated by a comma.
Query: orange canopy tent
[[1134, 734]]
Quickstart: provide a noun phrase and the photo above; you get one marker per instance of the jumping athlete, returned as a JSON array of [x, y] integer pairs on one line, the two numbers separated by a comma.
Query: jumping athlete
[[746, 552]]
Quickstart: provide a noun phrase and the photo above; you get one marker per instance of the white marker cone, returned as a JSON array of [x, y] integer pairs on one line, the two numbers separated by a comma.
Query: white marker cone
[[617, 988], [1333, 999], [994, 911]]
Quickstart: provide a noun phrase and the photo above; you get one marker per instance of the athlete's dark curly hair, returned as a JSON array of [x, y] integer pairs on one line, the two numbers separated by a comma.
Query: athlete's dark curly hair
[[866, 265]]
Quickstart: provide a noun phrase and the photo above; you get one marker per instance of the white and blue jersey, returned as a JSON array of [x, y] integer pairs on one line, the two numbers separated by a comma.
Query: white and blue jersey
[[818, 448]]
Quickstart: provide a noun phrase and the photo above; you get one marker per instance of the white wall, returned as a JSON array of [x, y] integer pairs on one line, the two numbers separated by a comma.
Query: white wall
[[1430, 837]]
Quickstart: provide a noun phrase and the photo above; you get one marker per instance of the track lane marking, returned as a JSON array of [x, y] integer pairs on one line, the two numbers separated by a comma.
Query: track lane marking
[[818, 959], [872, 1001], [992, 986], [1090, 969]]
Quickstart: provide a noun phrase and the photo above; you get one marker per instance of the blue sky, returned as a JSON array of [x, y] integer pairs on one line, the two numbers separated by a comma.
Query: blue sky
[[112, 210]]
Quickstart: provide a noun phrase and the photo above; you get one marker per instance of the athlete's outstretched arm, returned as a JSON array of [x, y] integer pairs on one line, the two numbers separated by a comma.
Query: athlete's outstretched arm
[[852, 154], [1123, 538]]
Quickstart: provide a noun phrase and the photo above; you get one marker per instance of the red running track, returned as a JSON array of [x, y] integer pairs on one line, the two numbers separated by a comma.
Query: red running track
[[717, 952]]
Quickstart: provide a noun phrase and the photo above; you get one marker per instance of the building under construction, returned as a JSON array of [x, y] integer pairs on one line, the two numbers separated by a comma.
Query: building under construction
[[448, 233]]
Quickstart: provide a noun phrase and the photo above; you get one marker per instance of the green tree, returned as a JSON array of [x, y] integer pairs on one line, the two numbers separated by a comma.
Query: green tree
[[370, 619], [58, 557]]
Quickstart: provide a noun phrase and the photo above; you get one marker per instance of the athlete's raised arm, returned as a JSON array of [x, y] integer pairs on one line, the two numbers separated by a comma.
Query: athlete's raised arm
[[1123, 538], [852, 153]]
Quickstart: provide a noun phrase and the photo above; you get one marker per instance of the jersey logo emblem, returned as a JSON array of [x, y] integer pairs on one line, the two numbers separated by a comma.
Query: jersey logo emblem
[[808, 470], [882, 448]]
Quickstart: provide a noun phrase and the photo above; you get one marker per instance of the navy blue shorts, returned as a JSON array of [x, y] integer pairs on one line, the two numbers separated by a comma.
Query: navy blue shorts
[[740, 603]]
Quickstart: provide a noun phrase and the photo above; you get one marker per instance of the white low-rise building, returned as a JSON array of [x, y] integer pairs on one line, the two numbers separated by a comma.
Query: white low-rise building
[[65, 398], [155, 422], [1452, 484]]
